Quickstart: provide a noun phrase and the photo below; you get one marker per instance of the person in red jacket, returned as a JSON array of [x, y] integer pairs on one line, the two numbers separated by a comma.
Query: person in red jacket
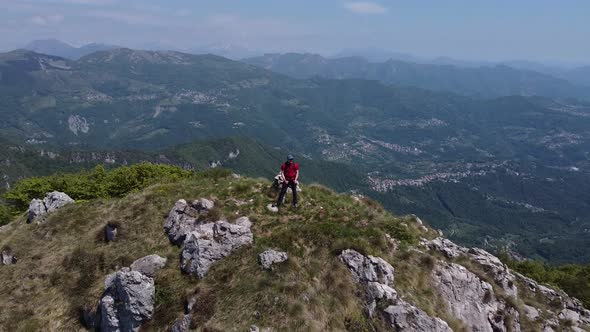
[[290, 176]]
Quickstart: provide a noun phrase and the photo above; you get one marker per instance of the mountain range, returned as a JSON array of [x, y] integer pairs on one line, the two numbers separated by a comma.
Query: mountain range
[[505, 171], [487, 81]]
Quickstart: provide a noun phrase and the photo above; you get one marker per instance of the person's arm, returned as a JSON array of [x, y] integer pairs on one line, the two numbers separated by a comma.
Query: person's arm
[[297, 173], [282, 173]]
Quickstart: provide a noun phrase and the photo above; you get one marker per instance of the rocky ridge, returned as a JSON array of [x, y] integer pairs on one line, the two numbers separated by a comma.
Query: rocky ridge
[[204, 242], [53, 201], [473, 300]]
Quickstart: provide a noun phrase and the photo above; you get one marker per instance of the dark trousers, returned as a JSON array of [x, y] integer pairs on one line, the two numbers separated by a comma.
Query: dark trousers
[[284, 188]]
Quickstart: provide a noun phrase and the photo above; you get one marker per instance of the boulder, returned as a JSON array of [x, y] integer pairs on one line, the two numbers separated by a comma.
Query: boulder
[[128, 301], [406, 317], [181, 220], [492, 264], [203, 204], [52, 201], [270, 257], [148, 265], [182, 324], [376, 275], [7, 258], [531, 313], [36, 209], [445, 246], [213, 242], [471, 299], [498, 270], [56, 200], [367, 268]]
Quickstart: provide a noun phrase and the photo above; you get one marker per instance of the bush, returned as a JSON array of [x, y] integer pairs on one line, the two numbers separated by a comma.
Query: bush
[[574, 279], [6, 214], [97, 183]]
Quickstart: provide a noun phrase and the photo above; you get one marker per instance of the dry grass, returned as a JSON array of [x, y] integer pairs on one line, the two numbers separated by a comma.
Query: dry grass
[[62, 263]]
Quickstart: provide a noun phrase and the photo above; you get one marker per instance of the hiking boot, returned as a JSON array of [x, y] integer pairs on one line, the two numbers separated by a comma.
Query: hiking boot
[[295, 205]]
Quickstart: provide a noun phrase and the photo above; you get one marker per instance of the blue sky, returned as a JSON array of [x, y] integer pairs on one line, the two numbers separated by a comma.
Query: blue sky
[[537, 30]]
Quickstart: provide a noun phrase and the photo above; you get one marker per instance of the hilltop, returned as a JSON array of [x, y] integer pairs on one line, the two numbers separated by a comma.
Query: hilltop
[[351, 264]]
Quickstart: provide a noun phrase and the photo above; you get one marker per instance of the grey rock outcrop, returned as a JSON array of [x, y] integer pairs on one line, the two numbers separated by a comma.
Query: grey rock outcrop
[[211, 243], [52, 201], [148, 265], [445, 246], [472, 300], [128, 299], [204, 243], [270, 257], [203, 204], [36, 209], [406, 317], [7, 258], [377, 276], [570, 309], [368, 268], [184, 218], [182, 324], [498, 270]]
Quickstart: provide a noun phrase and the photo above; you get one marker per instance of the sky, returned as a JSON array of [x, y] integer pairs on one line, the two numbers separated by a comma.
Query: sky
[[493, 30]]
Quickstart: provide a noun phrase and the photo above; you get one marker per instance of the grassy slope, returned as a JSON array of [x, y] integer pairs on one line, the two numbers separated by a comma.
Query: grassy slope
[[62, 263]]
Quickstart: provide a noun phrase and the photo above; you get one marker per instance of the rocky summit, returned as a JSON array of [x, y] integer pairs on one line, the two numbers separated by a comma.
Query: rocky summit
[[205, 254]]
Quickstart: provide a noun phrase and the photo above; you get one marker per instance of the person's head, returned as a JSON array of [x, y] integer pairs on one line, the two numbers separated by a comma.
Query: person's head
[[290, 158]]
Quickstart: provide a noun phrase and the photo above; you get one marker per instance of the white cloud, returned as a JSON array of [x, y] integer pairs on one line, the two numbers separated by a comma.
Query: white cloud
[[46, 19], [365, 7]]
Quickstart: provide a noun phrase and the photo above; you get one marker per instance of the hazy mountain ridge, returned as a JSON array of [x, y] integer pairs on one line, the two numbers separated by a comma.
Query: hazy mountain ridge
[[64, 50], [484, 81]]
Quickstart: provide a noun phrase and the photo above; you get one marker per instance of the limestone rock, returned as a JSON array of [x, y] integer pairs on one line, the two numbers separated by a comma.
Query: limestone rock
[[128, 301], [203, 204], [56, 200], [447, 247], [148, 265], [182, 324], [531, 313], [52, 201], [7, 258], [406, 317], [181, 221], [499, 271], [377, 277], [369, 268], [471, 299], [213, 242], [270, 257], [36, 209]]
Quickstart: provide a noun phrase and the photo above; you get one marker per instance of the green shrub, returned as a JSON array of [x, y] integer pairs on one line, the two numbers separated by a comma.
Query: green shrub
[[574, 279], [96, 183], [6, 214]]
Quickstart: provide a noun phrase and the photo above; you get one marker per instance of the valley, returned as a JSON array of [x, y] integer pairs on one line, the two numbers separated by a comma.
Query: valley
[[505, 171]]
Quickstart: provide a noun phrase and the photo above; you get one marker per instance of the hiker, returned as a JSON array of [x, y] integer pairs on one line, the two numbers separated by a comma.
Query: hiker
[[289, 176]]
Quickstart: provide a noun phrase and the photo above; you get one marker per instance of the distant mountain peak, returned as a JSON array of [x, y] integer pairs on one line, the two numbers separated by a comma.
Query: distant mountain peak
[[62, 49]]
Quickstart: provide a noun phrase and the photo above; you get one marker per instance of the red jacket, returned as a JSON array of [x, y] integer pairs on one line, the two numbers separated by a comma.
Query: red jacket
[[290, 170]]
